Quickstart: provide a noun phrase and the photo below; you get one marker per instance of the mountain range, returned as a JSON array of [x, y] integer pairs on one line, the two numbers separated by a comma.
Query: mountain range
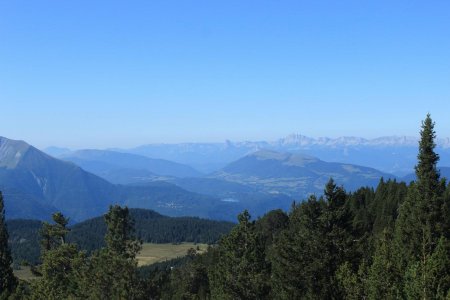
[[262, 172], [125, 168], [392, 154], [82, 184], [35, 184]]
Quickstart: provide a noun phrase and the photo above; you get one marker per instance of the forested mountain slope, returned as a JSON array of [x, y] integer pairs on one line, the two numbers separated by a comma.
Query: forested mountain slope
[[150, 227]]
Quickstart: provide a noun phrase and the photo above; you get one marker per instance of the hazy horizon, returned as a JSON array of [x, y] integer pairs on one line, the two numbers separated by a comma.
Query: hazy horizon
[[112, 146]]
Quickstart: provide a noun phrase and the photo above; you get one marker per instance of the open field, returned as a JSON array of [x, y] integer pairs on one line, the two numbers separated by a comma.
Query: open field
[[150, 254], [153, 253], [24, 273]]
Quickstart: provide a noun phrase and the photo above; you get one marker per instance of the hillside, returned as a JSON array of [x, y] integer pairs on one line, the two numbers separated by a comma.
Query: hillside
[[150, 227], [294, 174], [37, 184], [53, 184], [233, 194], [444, 171], [124, 168], [390, 154]]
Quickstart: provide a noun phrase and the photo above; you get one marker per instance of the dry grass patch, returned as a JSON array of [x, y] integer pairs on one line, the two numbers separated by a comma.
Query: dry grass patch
[[153, 253]]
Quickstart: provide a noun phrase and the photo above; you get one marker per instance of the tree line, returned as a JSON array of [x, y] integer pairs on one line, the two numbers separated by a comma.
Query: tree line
[[150, 227], [392, 242]]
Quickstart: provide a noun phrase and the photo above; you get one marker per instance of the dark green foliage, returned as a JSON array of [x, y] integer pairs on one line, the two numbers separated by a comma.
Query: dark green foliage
[[271, 224], [24, 240], [111, 277], [150, 227], [384, 274], [241, 270], [112, 271], [62, 264], [190, 281], [62, 269], [423, 222], [8, 281], [319, 239], [429, 277], [119, 234], [426, 171], [298, 253], [384, 208], [54, 235]]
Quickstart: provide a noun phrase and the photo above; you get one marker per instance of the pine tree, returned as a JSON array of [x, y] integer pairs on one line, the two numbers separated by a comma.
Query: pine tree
[[340, 246], [119, 236], [299, 257], [62, 267], [384, 280], [429, 278], [113, 270], [422, 221], [426, 168], [54, 235], [241, 271], [8, 281], [430, 187]]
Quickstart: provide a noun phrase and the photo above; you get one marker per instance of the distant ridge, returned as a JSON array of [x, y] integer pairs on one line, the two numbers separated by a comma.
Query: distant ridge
[[118, 167], [390, 154], [296, 175], [36, 184]]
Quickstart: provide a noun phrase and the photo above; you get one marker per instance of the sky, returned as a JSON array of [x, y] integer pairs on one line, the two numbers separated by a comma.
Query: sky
[[98, 74]]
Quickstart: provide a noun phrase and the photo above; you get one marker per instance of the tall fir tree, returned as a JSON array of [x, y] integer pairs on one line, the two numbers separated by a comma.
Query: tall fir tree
[[429, 186], [384, 275], [338, 239], [428, 182], [113, 270], [119, 236], [8, 281], [299, 254], [422, 220], [241, 271]]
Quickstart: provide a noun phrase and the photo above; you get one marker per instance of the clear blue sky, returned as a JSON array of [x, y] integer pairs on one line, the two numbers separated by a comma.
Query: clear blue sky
[[124, 73]]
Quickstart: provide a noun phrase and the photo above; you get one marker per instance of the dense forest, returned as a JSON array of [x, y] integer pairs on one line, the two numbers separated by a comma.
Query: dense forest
[[150, 227], [391, 242]]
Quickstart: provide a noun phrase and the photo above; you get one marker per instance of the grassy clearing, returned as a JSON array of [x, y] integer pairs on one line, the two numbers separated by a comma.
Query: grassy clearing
[[24, 273], [150, 254], [153, 253]]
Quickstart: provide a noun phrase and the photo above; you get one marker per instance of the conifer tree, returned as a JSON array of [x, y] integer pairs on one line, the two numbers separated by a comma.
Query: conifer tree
[[423, 206], [62, 265], [241, 271], [429, 186], [54, 235], [337, 235], [426, 169], [422, 221], [384, 280], [113, 270], [119, 236], [8, 281], [299, 255]]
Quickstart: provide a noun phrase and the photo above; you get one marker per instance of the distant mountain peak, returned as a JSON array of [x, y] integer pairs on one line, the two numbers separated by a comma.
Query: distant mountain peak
[[285, 157], [12, 152], [302, 140]]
